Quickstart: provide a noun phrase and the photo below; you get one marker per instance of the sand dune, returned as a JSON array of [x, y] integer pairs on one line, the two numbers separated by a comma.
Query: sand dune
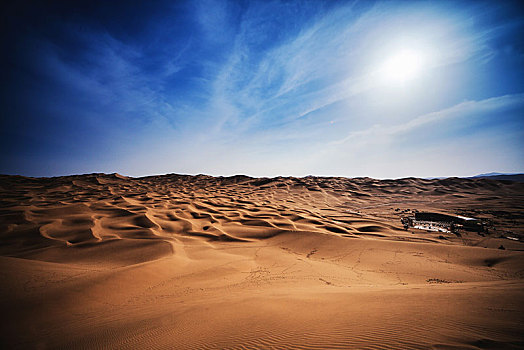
[[177, 261]]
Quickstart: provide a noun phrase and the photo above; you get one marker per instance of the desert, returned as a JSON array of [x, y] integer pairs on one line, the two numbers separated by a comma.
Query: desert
[[249, 174], [201, 262]]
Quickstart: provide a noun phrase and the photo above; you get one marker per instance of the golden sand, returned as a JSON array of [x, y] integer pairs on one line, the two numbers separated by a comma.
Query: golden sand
[[200, 262]]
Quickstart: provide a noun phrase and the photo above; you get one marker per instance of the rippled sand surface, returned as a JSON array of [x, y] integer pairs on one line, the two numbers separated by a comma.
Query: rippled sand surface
[[201, 262]]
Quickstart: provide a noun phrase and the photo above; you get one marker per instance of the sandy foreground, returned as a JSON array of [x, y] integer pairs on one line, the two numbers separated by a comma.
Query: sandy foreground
[[199, 262]]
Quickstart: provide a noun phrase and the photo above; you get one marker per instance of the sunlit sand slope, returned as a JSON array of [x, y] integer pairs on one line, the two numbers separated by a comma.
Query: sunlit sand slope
[[107, 261]]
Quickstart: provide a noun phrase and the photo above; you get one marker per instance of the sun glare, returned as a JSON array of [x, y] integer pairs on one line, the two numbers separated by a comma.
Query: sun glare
[[403, 66]]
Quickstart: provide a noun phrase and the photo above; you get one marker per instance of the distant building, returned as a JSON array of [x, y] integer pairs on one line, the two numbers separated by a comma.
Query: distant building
[[440, 222]]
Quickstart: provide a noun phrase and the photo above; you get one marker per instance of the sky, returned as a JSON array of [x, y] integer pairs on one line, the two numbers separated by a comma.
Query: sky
[[384, 89]]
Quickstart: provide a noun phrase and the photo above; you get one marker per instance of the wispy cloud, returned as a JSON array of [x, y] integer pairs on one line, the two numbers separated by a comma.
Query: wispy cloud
[[494, 110], [434, 141], [268, 78], [229, 83], [332, 57]]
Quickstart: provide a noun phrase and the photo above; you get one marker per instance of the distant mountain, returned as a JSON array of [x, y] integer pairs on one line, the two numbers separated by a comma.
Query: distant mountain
[[500, 176], [491, 174]]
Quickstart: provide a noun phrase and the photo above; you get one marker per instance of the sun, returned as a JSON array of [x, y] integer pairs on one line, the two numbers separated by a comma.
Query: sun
[[403, 66]]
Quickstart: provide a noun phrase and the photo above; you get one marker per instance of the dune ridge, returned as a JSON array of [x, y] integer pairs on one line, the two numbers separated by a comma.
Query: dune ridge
[[180, 261]]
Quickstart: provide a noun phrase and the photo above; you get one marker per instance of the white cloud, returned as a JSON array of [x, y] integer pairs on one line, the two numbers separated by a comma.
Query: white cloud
[[491, 107], [332, 58], [460, 140], [264, 98]]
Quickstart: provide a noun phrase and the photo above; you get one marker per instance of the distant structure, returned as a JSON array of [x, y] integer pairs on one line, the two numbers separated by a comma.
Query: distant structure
[[442, 222]]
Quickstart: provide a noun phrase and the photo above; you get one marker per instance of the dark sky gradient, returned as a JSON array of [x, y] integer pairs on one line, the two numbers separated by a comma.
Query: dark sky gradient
[[261, 88]]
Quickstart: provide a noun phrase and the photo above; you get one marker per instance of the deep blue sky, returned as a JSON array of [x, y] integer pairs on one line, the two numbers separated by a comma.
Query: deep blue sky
[[262, 88]]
